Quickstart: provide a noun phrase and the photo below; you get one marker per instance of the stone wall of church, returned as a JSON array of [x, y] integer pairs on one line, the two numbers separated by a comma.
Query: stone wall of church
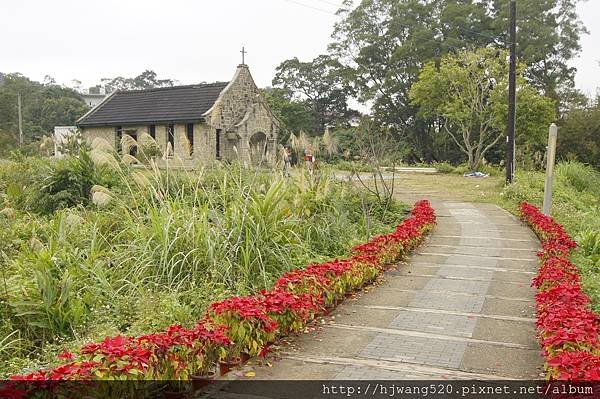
[[181, 144], [231, 107], [258, 120], [204, 146], [240, 113], [108, 133], [160, 135], [228, 152], [104, 132]]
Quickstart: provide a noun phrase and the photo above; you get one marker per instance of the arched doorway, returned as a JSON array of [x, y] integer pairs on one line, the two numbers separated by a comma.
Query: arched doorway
[[258, 148]]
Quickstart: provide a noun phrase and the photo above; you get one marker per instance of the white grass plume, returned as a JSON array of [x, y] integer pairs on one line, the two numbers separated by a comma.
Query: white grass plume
[[101, 199], [103, 158], [127, 143], [129, 159], [102, 145]]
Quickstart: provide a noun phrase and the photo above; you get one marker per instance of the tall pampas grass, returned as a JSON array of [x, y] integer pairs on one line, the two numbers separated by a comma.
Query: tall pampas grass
[[129, 159], [101, 199], [97, 188], [127, 143], [168, 151], [186, 145], [101, 196], [144, 139], [303, 139], [316, 146], [330, 143], [140, 179], [101, 144], [105, 159]]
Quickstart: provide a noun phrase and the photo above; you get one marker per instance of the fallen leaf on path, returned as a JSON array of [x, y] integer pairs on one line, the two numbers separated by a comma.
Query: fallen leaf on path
[[250, 374]]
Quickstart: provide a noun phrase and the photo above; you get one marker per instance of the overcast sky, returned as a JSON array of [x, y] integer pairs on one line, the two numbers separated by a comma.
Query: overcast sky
[[190, 41]]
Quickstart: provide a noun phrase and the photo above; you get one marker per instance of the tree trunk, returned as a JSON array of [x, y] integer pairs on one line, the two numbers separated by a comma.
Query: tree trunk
[[473, 163]]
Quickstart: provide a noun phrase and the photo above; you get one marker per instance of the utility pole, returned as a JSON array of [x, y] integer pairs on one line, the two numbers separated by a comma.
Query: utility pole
[[20, 120], [512, 102]]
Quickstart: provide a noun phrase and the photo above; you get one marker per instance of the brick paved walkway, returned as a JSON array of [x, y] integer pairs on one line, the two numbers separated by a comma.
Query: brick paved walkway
[[459, 308]]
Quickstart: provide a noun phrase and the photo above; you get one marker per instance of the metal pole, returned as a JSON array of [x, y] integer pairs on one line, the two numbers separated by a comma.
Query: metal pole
[[20, 120], [551, 155], [512, 80]]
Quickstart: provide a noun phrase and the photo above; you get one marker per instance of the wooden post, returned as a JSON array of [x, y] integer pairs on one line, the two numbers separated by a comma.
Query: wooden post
[[551, 154]]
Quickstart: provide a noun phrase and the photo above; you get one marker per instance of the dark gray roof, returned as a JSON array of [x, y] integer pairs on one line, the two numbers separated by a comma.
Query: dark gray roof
[[168, 104]]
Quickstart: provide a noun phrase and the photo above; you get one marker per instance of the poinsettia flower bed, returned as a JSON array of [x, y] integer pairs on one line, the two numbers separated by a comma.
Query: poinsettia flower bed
[[239, 325], [568, 330]]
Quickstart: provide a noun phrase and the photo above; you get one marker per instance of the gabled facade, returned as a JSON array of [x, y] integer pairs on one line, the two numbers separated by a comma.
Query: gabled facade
[[195, 123]]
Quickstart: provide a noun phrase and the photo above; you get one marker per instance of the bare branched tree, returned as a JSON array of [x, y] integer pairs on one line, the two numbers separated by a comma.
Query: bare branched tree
[[375, 146]]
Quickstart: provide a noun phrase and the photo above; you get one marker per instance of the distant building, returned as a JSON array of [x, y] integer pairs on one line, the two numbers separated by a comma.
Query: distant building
[[93, 96], [193, 123]]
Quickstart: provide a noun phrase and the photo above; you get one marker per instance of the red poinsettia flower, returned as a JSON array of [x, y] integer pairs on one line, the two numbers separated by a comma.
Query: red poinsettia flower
[[567, 329]]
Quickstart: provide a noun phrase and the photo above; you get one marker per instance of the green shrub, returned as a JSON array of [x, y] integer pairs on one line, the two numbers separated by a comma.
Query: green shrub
[[68, 183], [580, 177], [589, 242], [443, 167]]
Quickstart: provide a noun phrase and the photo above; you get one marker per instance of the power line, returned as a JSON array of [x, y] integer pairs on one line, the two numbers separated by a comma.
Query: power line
[[399, 24], [309, 6], [331, 13], [459, 28], [330, 3], [478, 34]]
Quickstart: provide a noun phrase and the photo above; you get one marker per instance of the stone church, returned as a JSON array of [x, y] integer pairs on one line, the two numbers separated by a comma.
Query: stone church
[[195, 123]]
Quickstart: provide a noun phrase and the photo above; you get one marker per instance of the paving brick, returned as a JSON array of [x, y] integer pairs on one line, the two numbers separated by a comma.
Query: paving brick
[[471, 287], [433, 352], [461, 326]]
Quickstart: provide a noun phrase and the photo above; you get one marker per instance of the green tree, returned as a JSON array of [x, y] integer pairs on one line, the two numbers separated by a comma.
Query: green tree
[[146, 80], [294, 114], [318, 84], [579, 134], [467, 93]]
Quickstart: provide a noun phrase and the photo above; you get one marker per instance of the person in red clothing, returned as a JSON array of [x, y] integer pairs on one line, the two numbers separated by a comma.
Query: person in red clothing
[[310, 159]]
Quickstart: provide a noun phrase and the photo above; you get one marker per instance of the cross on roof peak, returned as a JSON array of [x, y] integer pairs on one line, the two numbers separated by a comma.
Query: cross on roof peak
[[244, 52]]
